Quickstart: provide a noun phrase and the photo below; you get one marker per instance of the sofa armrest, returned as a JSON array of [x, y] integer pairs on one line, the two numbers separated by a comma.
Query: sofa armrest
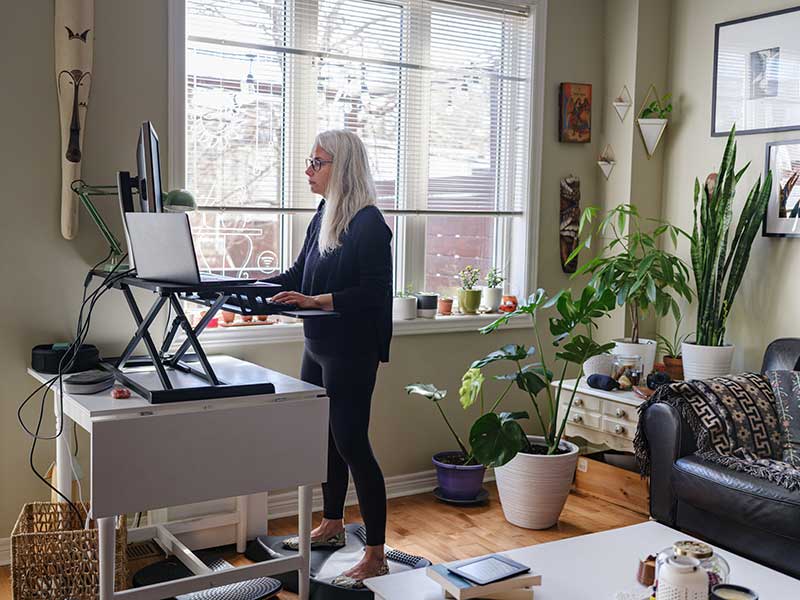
[[669, 438]]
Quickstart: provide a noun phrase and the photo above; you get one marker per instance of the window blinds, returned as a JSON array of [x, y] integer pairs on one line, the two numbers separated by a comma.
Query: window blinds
[[439, 91]]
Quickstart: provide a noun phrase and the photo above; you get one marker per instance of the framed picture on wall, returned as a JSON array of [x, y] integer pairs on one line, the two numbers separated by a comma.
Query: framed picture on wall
[[575, 113], [757, 74], [783, 209]]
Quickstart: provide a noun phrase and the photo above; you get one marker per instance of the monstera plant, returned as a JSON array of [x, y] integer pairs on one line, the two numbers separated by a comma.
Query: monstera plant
[[497, 438]]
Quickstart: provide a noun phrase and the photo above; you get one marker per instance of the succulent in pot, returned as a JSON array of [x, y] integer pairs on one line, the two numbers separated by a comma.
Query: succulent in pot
[[404, 305], [469, 299], [493, 292]]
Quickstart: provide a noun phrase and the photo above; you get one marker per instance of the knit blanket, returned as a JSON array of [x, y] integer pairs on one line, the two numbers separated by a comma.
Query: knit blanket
[[734, 421]]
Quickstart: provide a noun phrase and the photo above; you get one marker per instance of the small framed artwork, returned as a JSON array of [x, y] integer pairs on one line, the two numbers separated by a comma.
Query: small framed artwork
[[756, 69], [575, 113], [783, 209]]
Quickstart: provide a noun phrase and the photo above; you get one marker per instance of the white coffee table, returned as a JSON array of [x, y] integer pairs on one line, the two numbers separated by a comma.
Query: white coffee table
[[595, 567]]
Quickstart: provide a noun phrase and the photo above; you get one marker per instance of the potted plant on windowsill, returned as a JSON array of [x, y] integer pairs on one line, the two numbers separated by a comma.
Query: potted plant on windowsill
[[671, 349], [653, 121], [469, 299], [636, 271], [404, 305], [719, 260], [427, 303], [493, 292]]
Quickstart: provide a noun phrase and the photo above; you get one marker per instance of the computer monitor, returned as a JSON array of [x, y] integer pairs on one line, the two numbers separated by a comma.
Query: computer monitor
[[149, 165], [148, 180]]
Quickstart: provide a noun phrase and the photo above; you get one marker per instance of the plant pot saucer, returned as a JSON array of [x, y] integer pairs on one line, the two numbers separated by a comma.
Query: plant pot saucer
[[482, 497]]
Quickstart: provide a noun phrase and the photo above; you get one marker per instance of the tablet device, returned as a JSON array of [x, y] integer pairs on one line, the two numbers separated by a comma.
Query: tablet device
[[489, 569]]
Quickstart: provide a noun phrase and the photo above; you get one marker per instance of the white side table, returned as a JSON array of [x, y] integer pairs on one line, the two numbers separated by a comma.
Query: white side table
[[601, 417]]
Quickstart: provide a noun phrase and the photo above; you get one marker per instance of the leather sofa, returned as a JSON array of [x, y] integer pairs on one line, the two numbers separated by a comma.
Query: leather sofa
[[736, 511]]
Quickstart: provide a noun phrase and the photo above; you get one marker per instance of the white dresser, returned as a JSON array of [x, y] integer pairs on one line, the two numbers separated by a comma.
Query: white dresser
[[601, 417]]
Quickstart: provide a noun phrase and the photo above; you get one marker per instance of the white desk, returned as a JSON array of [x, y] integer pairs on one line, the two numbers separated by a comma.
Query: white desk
[[146, 456], [594, 566]]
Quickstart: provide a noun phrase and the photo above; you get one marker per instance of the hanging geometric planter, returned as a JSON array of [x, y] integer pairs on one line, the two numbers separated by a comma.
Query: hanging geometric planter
[[606, 160], [653, 128], [622, 103]]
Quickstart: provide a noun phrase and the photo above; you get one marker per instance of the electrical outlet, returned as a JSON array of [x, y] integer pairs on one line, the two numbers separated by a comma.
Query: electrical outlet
[[583, 465]]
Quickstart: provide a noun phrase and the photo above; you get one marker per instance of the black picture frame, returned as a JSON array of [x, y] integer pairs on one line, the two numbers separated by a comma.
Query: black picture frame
[[767, 228], [765, 47]]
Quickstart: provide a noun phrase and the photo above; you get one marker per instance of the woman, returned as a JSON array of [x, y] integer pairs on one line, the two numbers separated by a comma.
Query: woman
[[345, 265]]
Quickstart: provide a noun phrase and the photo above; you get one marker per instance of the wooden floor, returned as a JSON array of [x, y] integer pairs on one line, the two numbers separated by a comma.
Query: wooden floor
[[423, 526]]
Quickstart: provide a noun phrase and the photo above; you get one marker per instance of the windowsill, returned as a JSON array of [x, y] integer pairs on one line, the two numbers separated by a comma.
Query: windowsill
[[219, 337]]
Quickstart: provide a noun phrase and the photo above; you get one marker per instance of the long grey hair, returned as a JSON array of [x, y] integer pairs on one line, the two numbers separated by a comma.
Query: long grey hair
[[350, 187]]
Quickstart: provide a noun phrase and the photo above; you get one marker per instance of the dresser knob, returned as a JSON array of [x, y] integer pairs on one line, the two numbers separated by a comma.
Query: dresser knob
[[620, 413], [619, 429], [577, 419], [578, 402]]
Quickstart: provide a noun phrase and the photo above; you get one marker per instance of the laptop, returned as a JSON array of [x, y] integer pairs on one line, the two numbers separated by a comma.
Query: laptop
[[163, 249]]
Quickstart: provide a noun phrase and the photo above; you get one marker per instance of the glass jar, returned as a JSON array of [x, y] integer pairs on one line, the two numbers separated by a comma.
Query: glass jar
[[714, 565], [627, 370]]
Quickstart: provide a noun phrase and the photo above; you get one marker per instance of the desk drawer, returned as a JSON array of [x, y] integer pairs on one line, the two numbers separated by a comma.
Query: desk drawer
[[154, 461], [618, 410], [619, 427]]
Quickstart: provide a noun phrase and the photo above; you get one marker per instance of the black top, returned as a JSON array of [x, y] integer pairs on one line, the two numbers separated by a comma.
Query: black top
[[358, 274]]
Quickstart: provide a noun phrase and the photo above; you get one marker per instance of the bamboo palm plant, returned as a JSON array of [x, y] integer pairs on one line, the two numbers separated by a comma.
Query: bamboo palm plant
[[719, 259]]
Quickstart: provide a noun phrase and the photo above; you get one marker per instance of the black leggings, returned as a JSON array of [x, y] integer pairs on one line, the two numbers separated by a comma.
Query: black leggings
[[349, 380]]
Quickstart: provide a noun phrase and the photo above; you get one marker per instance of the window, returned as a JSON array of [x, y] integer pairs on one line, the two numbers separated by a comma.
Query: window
[[438, 90]]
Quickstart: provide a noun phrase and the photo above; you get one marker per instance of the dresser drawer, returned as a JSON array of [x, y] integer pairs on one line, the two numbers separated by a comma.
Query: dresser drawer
[[584, 419], [618, 410], [619, 427], [582, 401]]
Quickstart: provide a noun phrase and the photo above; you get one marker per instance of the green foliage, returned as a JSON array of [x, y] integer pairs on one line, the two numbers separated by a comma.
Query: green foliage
[[407, 293], [658, 109], [469, 277], [671, 347], [494, 278], [632, 266], [500, 441], [719, 259], [431, 392], [495, 438]]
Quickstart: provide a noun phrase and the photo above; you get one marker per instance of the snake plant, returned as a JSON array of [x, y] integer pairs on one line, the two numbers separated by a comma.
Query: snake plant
[[719, 259]]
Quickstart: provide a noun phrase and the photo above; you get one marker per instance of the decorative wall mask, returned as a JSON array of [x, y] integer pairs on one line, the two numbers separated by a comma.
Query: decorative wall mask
[[569, 220], [74, 45]]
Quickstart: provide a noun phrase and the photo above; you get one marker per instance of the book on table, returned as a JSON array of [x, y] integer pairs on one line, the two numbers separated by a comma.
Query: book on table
[[461, 588]]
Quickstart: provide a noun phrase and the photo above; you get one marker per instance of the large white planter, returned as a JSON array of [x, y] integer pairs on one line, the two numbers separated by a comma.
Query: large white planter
[[534, 487], [404, 308], [492, 298], [652, 130], [646, 349], [602, 364], [705, 362]]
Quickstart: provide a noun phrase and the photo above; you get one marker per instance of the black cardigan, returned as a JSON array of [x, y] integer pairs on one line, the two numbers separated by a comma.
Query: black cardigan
[[359, 276]]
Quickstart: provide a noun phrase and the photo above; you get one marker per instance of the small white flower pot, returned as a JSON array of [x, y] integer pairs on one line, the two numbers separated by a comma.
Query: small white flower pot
[[404, 308], [492, 297], [534, 487], [705, 362], [645, 349]]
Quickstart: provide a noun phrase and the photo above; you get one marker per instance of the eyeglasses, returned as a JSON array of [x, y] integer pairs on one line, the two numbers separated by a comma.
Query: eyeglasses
[[316, 163]]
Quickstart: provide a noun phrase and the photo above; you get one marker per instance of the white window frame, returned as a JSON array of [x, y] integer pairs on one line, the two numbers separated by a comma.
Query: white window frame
[[519, 254]]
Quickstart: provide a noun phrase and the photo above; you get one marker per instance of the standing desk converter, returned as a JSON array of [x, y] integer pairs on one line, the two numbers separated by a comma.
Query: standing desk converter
[[148, 456]]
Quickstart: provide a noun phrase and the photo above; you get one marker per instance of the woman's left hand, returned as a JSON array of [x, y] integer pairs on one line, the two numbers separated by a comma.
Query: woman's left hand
[[296, 298]]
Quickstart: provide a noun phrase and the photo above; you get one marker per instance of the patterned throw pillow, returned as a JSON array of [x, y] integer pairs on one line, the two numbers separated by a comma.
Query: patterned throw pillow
[[786, 386]]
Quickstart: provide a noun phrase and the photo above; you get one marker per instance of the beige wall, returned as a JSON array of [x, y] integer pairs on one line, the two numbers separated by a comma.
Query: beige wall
[[42, 273], [766, 304]]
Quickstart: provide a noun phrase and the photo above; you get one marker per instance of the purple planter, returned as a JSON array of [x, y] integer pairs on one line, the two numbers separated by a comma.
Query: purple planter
[[458, 482]]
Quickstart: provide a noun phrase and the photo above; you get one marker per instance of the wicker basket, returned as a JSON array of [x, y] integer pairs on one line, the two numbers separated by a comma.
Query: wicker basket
[[52, 556]]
